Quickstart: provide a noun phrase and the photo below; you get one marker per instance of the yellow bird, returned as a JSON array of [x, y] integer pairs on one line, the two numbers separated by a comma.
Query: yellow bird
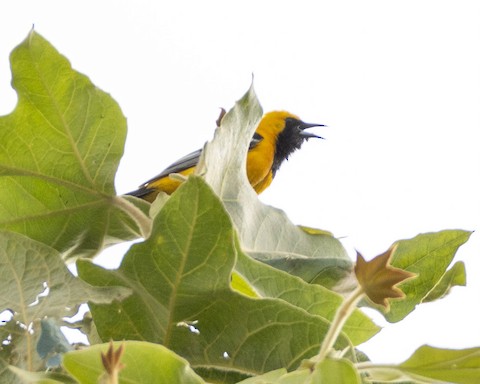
[[278, 135]]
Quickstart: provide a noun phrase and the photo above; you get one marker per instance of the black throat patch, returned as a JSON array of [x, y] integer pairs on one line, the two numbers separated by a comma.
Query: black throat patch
[[288, 141]]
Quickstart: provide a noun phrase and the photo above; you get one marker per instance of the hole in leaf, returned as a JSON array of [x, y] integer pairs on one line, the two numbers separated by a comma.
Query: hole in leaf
[[44, 293]]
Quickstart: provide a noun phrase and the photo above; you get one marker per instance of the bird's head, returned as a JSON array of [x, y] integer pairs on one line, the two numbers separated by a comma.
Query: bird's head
[[286, 127], [278, 123], [287, 131]]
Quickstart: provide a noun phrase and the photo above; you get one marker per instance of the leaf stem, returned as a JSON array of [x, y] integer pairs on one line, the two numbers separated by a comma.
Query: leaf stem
[[141, 219], [343, 313]]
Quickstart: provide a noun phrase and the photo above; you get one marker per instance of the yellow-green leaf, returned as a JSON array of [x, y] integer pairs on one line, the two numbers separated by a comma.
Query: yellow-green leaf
[[59, 151], [143, 363], [428, 255], [182, 298], [429, 365], [460, 366]]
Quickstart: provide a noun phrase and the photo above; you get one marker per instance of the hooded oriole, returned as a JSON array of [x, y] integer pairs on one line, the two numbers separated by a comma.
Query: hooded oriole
[[278, 134]]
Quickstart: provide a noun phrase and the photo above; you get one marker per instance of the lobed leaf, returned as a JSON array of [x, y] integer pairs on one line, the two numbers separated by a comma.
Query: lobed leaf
[[34, 284], [427, 255], [34, 281], [180, 278], [379, 279], [59, 151], [265, 232]]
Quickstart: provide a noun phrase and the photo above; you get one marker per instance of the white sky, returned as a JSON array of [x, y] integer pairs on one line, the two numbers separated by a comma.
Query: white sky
[[397, 83]]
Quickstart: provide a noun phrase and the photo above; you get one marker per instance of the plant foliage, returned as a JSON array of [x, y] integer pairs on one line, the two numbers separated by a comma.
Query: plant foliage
[[222, 288]]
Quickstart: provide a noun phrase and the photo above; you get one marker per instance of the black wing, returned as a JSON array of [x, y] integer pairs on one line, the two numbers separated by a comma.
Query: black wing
[[191, 160], [188, 161], [255, 140]]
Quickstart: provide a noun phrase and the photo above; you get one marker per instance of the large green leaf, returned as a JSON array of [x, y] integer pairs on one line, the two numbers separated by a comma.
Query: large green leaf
[[428, 255], [448, 365], [34, 284], [180, 278], [59, 151], [430, 365], [266, 281], [143, 363], [265, 232]]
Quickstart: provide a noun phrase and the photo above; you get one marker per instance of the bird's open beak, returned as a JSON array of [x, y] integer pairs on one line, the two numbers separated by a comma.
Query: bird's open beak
[[308, 135]]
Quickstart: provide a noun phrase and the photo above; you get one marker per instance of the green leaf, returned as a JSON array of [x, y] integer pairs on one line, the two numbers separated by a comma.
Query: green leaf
[[143, 363], [427, 255], [269, 282], [280, 376], [266, 378], [182, 296], [34, 284], [455, 276], [22, 376], [429, 364], [447, 365], [335, 371], [328, 371], [34, 281], [265, 232], [6, 374], [59, 152]]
